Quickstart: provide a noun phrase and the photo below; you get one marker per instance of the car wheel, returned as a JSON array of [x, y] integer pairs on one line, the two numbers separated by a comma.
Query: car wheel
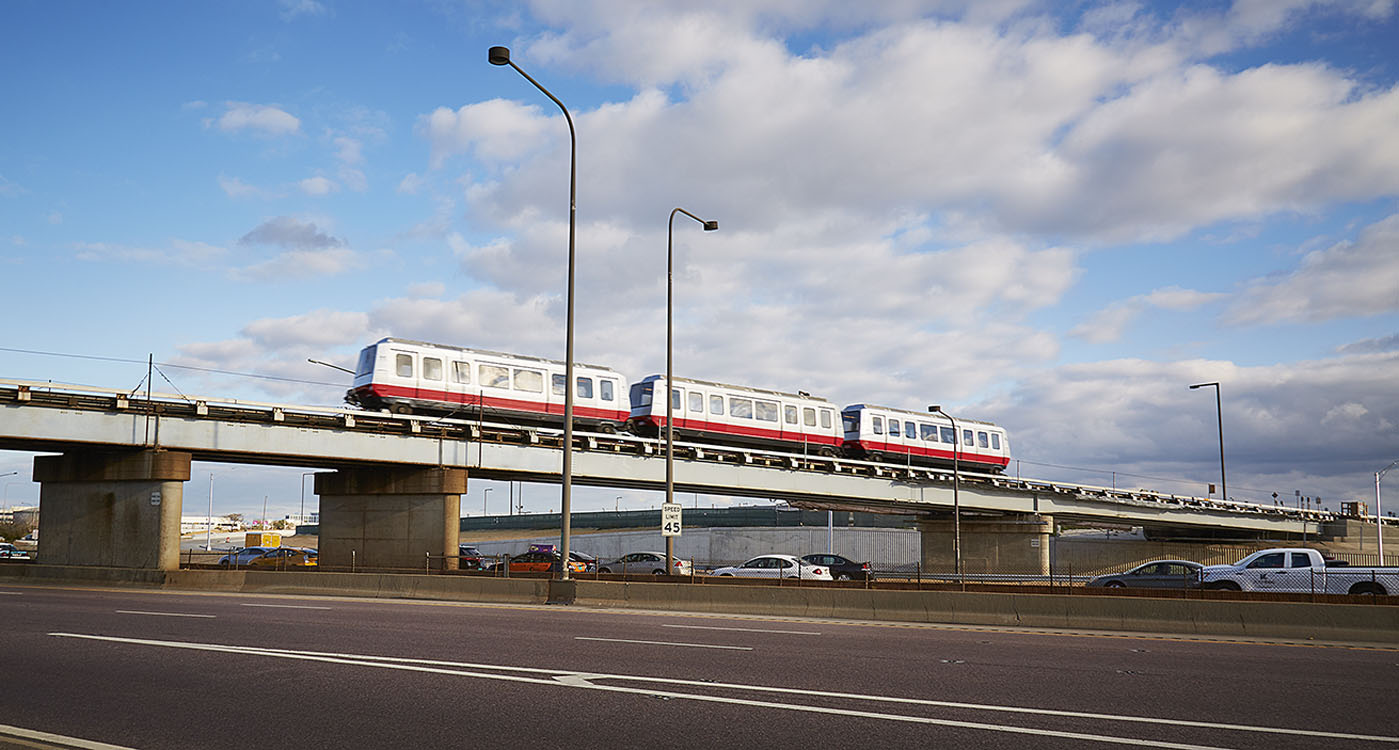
[[843, 577], [606, 570], [1226, 586], [1115, 585], [223, 563], [658, 572], [1366, 588]]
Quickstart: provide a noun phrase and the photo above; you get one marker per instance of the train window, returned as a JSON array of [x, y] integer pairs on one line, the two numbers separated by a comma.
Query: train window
[[494, 376], [789, 414], [878, 423], [585, 387], [461, 372], [640, 394], [432, 368], [716, 405], [608, 389], [697, 402], [949, 435], [851, 420], [741, 407], [675, 399], [826, 419], [404, 365], [809, 417], [928, 432], [366, 361], [910, 430], [995, 441], [557, 384], [982, 441], [893, 428], [968, 438], [530, 381], [765, 411]]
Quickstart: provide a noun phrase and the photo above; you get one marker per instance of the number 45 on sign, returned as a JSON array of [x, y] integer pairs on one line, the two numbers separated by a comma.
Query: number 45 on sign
[[670, 519]]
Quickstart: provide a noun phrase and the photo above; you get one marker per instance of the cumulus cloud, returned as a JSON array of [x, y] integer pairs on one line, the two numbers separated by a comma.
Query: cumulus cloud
[[258, 118], [1358, 278], [296, 264], [317, 186]]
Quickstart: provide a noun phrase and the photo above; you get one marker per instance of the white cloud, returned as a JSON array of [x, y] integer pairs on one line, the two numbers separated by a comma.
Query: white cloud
[[410, 184], [181, 252], [1109, 323], [349, 150], [317, 186], [298, 264], [293, 8], [496, 130], [318, 329], [260, 118], [234, 187], [54, 217], [427, 289], [10, 189], [287, 231], [1348, 279]]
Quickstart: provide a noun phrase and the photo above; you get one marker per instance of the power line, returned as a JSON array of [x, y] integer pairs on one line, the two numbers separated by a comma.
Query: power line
[[172, 365]]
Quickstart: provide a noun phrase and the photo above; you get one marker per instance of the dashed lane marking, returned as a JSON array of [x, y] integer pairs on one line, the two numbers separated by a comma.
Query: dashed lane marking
[[664, 643], [162, 614]]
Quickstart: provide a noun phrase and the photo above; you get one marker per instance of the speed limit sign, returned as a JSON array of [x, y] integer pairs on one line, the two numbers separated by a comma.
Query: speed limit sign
[[670, 519]]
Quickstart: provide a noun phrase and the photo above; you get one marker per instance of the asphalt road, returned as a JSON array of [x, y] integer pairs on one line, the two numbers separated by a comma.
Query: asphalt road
[[144, 669]]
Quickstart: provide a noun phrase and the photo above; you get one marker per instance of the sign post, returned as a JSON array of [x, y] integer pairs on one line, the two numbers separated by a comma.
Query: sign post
[[670, 528]]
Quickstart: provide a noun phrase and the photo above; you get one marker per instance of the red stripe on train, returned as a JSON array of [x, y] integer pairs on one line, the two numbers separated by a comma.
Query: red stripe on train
[[494, 402]]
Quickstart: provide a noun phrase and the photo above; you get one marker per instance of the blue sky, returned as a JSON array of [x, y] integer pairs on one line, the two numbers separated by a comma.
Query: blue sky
[[1054, 219]]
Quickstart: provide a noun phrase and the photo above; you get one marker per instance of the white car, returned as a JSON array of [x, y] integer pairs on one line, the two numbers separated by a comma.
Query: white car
[[643, 562], [10, 551], [776, 566]]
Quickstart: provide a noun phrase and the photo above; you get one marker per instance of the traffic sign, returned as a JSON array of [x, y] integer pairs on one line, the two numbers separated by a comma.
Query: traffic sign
[[670, 519]]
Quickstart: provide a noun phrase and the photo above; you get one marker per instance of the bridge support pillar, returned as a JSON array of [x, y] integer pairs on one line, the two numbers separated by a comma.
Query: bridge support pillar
[[1011, 544], [111, 509], [390, 517]]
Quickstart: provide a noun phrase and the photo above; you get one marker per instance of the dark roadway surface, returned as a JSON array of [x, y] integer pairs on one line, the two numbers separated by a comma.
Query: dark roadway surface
[[520, 676]]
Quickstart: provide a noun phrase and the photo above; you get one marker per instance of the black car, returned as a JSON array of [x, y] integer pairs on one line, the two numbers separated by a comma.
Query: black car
[[1158, 574], [842, 569]]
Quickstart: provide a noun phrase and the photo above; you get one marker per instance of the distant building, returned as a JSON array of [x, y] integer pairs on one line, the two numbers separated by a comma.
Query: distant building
[[190, 524], [21, 516]]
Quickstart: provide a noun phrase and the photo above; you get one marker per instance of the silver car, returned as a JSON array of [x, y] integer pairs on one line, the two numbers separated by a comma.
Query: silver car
[[242, 556], [644, 562], [776, 566]]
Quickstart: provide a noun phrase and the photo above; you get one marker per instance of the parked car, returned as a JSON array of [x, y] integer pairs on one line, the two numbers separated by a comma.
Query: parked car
[[243, 555], [776, 566], [1157, 574], [644, 562], [470, 558], [543, 561], [1300, 570], [842, 568], [285, 558], [11, 552]]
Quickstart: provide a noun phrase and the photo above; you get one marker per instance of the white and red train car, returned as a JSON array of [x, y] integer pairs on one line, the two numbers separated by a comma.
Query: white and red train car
[[404, 377], [879, 433], [735, 414]]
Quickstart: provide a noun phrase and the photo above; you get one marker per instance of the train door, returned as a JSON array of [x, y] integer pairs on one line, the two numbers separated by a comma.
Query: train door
[[694, 410], [404, 380]]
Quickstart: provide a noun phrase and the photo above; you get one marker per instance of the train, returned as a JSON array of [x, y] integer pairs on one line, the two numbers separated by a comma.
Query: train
[[404, 376]]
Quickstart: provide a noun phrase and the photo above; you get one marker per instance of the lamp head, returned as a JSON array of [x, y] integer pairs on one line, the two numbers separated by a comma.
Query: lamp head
[[934, 409], [499, 55], [710, 226]]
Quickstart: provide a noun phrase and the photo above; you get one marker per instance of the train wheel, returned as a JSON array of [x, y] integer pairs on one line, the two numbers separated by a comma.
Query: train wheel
[[401, 409], [607, 428], [827, 452], [874, 456]]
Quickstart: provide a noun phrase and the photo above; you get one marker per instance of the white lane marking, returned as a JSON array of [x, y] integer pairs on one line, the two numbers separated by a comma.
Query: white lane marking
[[9, 593], [30, 734], [664, 643], [161, 614], [286, 606], [743, 630], [572, 677]]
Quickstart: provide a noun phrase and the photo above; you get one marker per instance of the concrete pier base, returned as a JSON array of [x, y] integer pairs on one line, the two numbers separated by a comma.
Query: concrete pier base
[[393, 517], [111, 509], [1013, 544]]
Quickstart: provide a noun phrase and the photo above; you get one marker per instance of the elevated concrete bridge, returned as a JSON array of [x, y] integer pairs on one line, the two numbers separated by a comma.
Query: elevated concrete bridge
[[396, 490]]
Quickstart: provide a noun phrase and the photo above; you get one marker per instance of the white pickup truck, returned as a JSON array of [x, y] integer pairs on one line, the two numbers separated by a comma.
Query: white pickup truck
[[1298, 570]]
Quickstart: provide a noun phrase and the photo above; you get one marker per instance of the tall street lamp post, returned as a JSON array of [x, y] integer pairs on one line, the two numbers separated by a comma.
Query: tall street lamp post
[[1379, 519], [956, 500], [486, 495], [1219, 413], [672, 407], [501, 56]]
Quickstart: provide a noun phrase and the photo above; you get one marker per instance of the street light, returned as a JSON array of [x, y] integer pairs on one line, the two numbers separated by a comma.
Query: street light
[[709, 226], [209, 530], [1219, 413], [501, 56], [1379, 519], [486, 495], [956, 500]]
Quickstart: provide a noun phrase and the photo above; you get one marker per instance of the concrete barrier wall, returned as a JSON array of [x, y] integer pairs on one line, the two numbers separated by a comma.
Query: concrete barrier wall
[[1135, 614]]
